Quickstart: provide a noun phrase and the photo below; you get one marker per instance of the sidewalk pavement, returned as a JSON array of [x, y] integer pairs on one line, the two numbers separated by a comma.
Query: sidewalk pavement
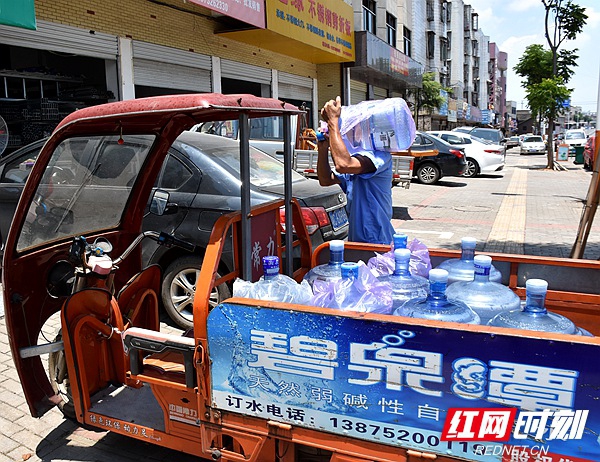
[[524, 209]]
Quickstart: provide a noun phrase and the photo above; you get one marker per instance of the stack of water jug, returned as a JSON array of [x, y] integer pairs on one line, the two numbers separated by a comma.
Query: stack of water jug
[[466, 290]]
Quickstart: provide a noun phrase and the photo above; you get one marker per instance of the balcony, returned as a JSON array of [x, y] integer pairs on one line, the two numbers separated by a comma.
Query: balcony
[[380, 64]]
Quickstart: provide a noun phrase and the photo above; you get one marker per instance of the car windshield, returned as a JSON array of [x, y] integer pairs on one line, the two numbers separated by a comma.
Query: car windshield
[[533, 139], [265, 171], [84, 188], [575, 136]]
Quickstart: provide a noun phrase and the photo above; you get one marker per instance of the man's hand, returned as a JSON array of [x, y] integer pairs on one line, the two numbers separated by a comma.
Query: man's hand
[[331, 111]]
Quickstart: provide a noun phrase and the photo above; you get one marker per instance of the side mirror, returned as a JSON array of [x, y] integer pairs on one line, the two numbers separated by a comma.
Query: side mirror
[[160, 204]]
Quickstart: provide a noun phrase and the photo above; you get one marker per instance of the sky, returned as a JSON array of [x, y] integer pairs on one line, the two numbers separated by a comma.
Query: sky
[[516, 24]]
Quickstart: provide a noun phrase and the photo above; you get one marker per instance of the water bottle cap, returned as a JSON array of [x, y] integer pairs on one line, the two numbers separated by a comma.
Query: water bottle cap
[[468, 242], [336, 245], [536, 286], [483, 260], [349, 269], [402, 254], [400, 240], [270, 264], [438, 275]]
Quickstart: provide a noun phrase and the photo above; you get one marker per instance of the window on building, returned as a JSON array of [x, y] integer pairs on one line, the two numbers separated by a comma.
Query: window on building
[[430, 44], [449, 42], [443, 48], [475, 21], [391, 24], [429, 9], [449, 12], [369, 23], [407, 42], [443, 12]]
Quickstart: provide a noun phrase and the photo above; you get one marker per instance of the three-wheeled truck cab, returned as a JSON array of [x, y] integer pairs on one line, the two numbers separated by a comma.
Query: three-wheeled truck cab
[[260, 380]]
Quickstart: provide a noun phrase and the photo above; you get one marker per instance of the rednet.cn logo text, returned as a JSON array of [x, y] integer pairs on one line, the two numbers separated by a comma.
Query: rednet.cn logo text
[[499, 424]]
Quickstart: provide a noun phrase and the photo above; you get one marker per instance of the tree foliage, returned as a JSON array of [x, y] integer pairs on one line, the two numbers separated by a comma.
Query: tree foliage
[[546, 97], [546, 72], [536, 65], [427, 97]]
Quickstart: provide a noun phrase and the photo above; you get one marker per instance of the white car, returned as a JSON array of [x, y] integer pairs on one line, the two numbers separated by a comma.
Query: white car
[[483, 156], [574, 138], [533, 144]]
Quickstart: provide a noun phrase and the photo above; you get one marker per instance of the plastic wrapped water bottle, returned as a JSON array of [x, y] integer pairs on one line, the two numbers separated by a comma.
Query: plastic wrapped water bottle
[[273, 286], [329, 271], [483, 296], [462, 269], [534, 315], [356, 290], [382, 125], [436, 305], [385, 264], [405, 286]]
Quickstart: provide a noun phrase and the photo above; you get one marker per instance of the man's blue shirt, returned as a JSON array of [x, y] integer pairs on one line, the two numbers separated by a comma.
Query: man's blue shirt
[[370, 199]]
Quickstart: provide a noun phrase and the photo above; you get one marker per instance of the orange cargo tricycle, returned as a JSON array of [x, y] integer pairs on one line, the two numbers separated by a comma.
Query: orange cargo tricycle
[[260, 380]]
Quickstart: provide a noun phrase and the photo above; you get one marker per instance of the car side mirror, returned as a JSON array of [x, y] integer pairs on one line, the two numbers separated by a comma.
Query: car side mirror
[[160, 204]]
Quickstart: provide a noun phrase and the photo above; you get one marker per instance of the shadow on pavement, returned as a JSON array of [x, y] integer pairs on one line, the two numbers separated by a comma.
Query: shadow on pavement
[[68, 441]]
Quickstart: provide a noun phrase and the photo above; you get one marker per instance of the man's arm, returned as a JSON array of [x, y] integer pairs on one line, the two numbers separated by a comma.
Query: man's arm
[[324, 173], [343, 161]]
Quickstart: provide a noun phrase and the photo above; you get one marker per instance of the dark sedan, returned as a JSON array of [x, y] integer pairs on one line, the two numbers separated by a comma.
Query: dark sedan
[[450, 160], [202, 177]]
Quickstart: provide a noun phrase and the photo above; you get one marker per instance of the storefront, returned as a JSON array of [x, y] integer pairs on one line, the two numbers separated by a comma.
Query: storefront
[[48, 73]]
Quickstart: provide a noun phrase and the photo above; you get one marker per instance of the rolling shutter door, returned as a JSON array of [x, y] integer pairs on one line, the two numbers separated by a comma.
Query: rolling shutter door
[[165, 67], [164, 75], [295, 87], [379, 93], [358, 91], [59, 37], [242, 71]]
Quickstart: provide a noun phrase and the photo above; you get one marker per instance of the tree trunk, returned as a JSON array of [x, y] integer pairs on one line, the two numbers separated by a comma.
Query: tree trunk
[[550, 163]]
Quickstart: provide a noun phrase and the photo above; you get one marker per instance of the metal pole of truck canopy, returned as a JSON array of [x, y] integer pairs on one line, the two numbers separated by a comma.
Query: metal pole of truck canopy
[[591, 202], [245, 195], [287, 192]]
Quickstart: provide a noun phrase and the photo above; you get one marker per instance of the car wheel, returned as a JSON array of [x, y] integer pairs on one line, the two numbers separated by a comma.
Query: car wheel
[[59, 380], [472, 168], [428, 174], [179, 287]]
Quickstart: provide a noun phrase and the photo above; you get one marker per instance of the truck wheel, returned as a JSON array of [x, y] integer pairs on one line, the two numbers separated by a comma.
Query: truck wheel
[[428, 174], [472, 168], [179, 287], [59, 379]]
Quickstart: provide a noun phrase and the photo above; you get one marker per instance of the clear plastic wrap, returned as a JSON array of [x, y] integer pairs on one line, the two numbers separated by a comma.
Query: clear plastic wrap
[[363, 293], [382, 125], [280, 288], [420, 261]]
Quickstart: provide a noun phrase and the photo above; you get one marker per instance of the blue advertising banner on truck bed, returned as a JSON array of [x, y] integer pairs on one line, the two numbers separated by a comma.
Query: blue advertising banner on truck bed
[[472, 395]]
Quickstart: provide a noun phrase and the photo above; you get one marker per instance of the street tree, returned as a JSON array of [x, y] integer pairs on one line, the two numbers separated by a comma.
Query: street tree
[[546, 101], [427, 97], [564, 20], [536, 65]]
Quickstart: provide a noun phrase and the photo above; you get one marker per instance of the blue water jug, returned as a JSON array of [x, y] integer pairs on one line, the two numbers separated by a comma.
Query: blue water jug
[[330, 271], [462, 269], [534, 315], [356, 290], [404, 285], [483, 296], [436, 305]]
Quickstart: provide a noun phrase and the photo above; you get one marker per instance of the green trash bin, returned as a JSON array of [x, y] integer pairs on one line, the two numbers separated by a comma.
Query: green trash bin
[[578, 155]]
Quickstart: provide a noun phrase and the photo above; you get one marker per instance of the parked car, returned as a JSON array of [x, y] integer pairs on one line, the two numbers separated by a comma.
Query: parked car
[[512, 142], [202, 175], [449, 161], [533, 144], [491, 134], [588, 153], [482, 156], [575, 138]]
